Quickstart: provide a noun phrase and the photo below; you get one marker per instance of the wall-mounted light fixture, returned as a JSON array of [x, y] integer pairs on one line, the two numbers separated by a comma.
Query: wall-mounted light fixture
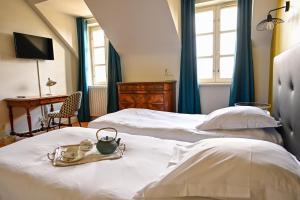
[[269, 23]]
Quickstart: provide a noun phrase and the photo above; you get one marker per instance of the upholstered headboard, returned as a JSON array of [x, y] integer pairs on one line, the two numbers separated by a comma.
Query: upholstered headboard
[[286, 97]]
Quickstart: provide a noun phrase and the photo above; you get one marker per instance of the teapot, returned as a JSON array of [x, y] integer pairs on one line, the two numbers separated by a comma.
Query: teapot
[[107, 144]]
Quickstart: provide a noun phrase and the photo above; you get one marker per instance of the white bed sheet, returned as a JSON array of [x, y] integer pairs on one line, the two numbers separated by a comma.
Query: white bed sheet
[[174, 126], [26, 173]]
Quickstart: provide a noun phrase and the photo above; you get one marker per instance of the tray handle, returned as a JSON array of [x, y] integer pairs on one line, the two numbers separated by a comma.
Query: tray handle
[[51, 156]]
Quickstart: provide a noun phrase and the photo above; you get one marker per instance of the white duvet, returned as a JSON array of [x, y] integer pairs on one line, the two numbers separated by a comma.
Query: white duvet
[[228, 168], [151, 168], [26, 173], [174, 126]]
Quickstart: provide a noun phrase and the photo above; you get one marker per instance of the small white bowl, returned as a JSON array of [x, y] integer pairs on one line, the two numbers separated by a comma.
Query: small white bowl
[[86, 145]]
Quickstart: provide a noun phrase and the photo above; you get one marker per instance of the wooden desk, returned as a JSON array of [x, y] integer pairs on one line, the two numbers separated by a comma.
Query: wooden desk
[[28, 104]]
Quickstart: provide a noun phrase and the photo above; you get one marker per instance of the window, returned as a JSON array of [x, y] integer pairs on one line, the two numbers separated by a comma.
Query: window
[[215, 42], [98, 55]]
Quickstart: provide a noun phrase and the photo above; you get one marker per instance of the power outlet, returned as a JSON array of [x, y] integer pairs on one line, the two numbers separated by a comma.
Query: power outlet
[[168, 74]]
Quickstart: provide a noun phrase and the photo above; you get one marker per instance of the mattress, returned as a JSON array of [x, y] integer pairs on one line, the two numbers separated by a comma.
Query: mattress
[[174, 126], [26, 173]]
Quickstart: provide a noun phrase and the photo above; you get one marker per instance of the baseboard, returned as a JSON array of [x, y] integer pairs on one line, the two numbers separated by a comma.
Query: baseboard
[[94, 117]]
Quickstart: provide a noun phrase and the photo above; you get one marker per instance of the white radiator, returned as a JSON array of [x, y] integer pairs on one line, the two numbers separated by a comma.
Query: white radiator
[[98, 100]]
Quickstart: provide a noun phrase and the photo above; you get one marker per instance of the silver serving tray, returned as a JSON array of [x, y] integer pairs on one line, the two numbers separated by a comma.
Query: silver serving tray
[[82, 157]]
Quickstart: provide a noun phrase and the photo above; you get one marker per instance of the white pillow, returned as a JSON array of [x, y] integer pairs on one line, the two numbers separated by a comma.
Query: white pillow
[[228, 168], [237, 117], [266, 134]]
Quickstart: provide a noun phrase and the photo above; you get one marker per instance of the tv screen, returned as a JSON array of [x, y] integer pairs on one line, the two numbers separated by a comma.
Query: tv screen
[[33, 47]]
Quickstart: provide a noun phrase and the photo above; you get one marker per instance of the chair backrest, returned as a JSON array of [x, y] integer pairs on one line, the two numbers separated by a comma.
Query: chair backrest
[[71, 105]]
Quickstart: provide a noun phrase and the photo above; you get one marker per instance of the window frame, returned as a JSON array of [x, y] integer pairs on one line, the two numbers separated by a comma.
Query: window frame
[[216, 8], [91, 28], [204, 9]]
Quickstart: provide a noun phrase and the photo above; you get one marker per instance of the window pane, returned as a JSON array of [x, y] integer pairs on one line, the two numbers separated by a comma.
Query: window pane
[[100, 74], [204, 22], [98, 38], [99, 56], [227, 43], [204, 45], [228, 18], [205, 68], [226, 67]]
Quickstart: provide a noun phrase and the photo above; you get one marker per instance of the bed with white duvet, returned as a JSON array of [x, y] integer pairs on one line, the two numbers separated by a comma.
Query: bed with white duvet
[[187, 127], [151, 168]]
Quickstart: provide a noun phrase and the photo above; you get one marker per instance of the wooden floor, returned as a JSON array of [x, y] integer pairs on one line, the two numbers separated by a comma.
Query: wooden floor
[[75, 124], [83, 124], [16, 138]]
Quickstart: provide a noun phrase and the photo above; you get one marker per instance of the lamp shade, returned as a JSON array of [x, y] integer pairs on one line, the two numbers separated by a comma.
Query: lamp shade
[[269, 23], [50, 82]]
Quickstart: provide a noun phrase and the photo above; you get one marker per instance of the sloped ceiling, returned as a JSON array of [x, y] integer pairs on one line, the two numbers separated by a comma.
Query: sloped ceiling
[[137, 26], [145, 33], [60, 16], [69, 7], [35, 1]]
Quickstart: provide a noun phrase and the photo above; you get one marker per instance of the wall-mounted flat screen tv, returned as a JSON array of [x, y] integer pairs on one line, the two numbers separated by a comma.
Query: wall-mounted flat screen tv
[[33, 47]]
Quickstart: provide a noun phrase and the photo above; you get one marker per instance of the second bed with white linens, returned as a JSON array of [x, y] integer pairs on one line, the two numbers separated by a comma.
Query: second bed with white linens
[[175, 126]]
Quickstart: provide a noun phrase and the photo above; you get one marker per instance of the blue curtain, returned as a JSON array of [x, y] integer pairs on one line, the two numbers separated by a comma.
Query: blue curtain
[[242, 87], [114, 76], [84, 112], [189, 97]]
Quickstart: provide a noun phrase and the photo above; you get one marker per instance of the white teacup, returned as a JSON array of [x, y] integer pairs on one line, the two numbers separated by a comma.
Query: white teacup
[[69, 154]]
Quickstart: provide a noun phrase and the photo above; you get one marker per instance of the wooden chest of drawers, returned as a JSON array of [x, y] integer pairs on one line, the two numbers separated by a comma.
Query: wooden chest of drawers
[[150, 95]]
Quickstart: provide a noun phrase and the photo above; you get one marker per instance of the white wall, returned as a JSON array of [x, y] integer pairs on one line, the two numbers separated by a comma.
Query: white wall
[[143, 33], [19, 76], [288, 32], [64, 27], [135, 67], [175, 8], [261, 46]]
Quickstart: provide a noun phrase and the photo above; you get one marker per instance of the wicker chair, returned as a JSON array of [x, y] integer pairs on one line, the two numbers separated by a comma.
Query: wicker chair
[[69, 109]]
